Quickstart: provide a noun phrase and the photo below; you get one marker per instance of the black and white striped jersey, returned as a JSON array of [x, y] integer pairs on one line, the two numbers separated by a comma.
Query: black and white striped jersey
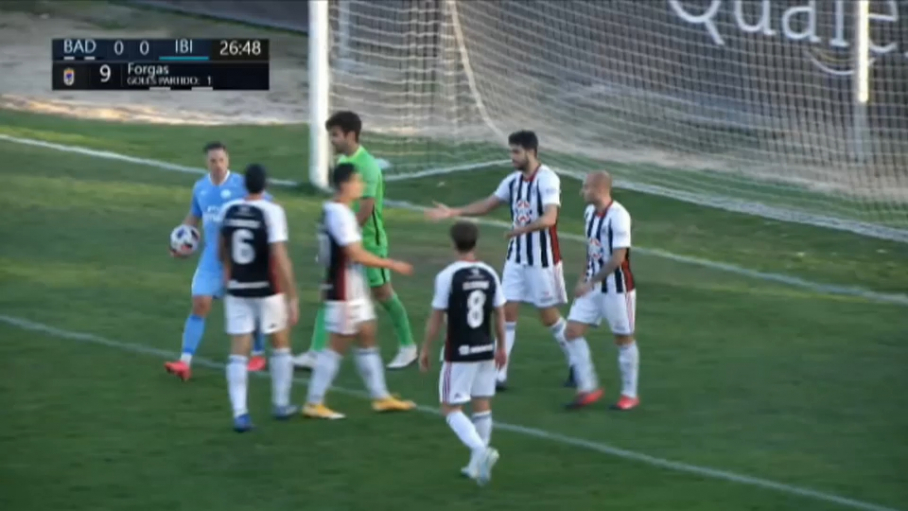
[[469, 292], [527, 199], [249, 228], [607, 231], [344, 279]]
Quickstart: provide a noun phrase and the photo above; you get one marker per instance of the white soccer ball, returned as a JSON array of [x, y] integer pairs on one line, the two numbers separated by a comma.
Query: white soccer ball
[[185, 239]]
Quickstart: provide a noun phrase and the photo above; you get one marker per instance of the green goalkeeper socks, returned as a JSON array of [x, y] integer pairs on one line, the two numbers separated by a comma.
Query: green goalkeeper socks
[[319, 334], [395, 309], [400, 320]]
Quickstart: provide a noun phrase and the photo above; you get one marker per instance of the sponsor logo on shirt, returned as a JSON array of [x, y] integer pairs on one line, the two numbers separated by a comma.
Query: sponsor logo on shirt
[[522, 213], [594, 249]]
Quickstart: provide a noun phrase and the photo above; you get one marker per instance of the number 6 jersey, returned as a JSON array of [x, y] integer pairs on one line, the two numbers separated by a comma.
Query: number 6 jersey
[[469, 291], [249, 228]]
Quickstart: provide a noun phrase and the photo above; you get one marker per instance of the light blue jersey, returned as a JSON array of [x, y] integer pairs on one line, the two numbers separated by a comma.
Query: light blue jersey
[[207, 199]]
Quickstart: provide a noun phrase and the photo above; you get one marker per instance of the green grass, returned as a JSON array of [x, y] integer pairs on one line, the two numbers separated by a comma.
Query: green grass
[[823, 255], [737, 374]]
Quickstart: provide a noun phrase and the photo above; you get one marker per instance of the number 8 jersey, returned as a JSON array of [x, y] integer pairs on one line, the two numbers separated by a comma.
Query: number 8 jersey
[[469, 291], [249, 228]]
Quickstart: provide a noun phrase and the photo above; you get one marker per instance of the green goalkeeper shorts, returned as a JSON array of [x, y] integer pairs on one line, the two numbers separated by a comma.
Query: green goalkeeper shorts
[[378, 276]]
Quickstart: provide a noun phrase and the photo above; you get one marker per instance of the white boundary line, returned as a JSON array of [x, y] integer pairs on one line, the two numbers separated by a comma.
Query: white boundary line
[[541, 434], [829, 289], [710, 201]]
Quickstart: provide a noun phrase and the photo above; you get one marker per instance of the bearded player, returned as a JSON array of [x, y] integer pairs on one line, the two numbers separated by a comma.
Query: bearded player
[[209, 193], [344, 129], [605, 291], [533, 271]]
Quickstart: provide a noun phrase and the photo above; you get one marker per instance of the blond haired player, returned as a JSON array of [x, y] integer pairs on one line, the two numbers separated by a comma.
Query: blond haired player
[[605, 290]]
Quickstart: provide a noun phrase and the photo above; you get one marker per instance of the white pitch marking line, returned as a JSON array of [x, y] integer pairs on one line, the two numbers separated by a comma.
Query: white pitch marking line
[[515, 428], [828, 289]]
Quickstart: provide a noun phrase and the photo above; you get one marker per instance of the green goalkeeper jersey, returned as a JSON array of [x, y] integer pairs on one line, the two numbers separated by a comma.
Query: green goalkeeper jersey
[[374, 237]]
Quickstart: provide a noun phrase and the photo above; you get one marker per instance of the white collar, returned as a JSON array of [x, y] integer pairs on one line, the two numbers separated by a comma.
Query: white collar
[[226, 177]]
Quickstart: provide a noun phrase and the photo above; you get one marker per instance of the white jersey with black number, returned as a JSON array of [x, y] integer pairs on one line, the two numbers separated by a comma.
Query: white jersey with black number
[[469, 292], [344, 280], [527, 198], [607, 231], [250, 227]]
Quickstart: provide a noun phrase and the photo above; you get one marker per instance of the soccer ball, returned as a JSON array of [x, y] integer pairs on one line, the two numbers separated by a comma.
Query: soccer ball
[[185, 238]]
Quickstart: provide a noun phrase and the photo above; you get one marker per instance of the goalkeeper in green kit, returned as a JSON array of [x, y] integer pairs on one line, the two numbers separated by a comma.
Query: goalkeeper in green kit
[[344, 129]]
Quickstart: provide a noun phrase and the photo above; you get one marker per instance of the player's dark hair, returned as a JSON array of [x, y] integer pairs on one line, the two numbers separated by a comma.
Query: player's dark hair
[[211, 146], [342, 174], [347, 121], [525, 139], [256, 178], [464, 235]]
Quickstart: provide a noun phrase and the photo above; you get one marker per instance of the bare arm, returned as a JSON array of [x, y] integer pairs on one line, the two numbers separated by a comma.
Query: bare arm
[[607, 269], [433, 327], [192, 220], [366, 207], [285, 270], [224, 253], [499, 328], [480, 207], [359, 255]]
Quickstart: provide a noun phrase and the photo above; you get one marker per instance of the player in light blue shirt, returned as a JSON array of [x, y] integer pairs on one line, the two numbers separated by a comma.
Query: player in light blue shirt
[[209, 193]]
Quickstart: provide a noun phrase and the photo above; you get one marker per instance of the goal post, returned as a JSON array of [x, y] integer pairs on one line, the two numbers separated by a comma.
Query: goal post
[[319, 93], [791, 110]]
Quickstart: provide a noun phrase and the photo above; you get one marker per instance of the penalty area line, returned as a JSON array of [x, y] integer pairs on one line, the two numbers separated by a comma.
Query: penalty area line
[[588, 445], [826, 289]]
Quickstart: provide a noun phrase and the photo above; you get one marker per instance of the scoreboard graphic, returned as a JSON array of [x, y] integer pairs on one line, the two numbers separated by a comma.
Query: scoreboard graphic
[[161, 64]]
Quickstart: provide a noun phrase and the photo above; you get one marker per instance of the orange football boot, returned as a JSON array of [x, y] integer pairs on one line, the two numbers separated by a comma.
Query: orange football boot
[[585, 399], [256, 364], [626, 403], [179, 369]]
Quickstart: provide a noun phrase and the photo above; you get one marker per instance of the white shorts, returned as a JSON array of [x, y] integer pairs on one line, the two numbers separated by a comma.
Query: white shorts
[[459, 382], [345, 318], [542, 287], [244, 315], [619, 309]]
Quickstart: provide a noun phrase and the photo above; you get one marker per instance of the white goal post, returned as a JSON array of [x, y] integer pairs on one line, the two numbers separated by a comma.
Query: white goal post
[[795, 110]]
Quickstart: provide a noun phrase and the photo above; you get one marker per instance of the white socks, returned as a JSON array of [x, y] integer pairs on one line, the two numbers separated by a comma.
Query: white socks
[[237, 379], [281, 376], [510, 336], [629, 365], [482, 421], [370, 367], [584, 371], [326, 366], [186, 358], [558, 333], [465, 431]]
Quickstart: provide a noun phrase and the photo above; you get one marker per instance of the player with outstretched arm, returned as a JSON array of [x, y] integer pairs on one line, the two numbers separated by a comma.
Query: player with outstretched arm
[[344, 129], [468, 294], [348, 310], [209, 194], [261, 293], [605, 290], [533, 270]]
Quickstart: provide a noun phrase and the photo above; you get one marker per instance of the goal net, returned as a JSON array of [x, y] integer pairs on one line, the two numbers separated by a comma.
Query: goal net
[[743, 105]]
